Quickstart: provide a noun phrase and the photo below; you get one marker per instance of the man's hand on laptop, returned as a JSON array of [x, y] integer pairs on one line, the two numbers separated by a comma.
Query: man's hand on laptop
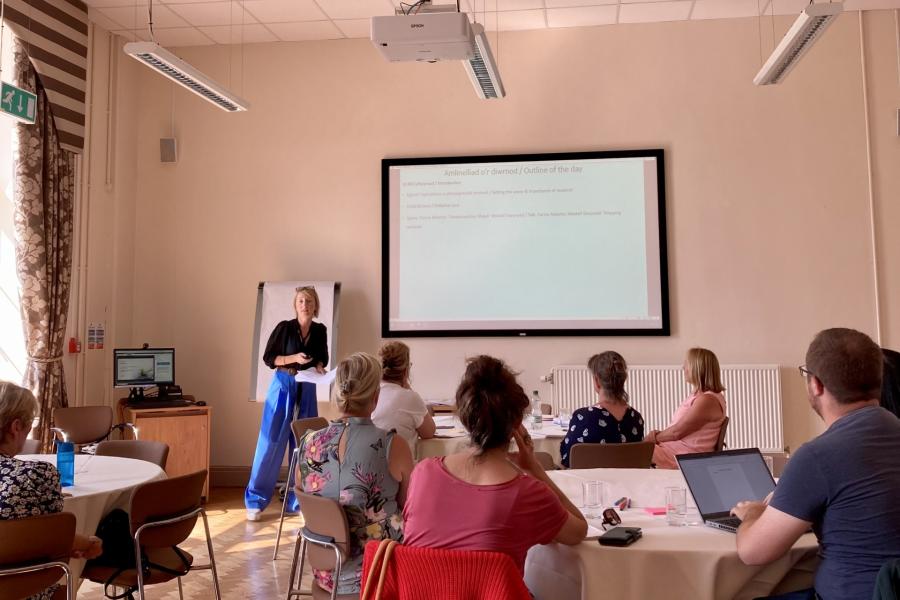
[[748, 510]]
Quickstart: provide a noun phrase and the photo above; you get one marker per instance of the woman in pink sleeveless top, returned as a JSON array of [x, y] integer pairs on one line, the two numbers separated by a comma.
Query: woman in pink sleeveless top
[[696, 424]]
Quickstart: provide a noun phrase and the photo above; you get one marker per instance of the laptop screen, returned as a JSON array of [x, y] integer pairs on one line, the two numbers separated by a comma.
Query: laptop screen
[[718, 481]]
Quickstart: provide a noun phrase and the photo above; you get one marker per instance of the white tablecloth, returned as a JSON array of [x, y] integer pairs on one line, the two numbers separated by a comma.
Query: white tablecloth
[[102, 483], [451, 438], [695, 562]]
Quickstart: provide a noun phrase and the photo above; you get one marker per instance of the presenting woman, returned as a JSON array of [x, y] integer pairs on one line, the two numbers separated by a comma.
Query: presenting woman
[[295, 345], [696, 424]]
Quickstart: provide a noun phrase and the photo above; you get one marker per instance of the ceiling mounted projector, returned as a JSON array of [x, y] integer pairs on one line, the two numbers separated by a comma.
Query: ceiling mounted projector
[[808, 27], [164, 62], [440, 36]]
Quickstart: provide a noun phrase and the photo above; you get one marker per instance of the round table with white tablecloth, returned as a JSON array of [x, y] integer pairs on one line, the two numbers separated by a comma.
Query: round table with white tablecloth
[[696, 562], [450, 437], [102, 483]]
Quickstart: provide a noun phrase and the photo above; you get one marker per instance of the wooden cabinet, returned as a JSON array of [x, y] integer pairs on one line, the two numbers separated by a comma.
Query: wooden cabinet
[[185, 429]]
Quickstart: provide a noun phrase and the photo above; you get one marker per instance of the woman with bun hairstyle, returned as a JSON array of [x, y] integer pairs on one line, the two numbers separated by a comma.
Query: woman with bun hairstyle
[[486, 498], [399, 406], [362, 467], [696, 424], [611, 420]]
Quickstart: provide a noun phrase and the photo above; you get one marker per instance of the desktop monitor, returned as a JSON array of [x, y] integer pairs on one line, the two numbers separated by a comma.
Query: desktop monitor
[[143, 367]]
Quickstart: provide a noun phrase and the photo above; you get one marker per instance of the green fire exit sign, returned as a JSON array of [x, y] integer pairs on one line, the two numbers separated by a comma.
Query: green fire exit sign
[[18, 103]]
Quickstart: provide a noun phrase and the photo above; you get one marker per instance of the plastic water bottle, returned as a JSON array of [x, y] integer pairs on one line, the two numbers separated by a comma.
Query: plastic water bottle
[[537, 417], [65, 463]]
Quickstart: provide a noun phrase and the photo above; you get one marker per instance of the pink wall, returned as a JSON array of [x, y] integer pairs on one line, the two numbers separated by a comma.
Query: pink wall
[[769, 233]]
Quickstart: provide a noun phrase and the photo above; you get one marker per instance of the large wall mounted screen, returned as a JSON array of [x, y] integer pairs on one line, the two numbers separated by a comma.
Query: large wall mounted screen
[[544, 244]]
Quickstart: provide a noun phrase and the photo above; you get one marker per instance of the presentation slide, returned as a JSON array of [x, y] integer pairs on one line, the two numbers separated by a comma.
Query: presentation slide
[[556, 245]]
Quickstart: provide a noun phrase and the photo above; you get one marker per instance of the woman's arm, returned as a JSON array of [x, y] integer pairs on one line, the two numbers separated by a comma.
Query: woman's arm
[[427, 429], [319, 350], [575, 527], [705, 409], [400, 464]]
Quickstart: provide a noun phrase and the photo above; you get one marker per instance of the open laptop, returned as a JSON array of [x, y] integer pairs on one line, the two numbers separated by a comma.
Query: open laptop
[[719, 480]]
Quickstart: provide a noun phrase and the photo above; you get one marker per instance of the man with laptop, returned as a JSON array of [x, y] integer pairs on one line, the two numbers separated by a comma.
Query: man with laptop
[[845, 483]]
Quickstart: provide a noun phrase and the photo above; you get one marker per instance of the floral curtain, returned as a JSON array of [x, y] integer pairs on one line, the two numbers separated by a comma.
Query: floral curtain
[[44, 200]]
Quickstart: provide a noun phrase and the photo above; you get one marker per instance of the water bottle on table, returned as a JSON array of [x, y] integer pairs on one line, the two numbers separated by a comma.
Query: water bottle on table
[[537, 417], [65, 463]]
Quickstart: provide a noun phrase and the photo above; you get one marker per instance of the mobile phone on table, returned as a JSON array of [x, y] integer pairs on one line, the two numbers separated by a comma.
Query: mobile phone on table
[[620, 536]]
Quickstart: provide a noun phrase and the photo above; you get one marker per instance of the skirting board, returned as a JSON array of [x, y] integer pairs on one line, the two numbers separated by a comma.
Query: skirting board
[[235, 476]]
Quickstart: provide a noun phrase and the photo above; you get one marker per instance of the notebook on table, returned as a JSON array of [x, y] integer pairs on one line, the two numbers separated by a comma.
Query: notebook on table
[[719, 480]]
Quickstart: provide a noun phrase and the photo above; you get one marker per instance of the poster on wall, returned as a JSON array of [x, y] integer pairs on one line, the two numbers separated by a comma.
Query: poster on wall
[[275, 303]]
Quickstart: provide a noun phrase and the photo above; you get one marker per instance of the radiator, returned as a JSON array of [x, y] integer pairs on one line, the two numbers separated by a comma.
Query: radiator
[[752, 397]]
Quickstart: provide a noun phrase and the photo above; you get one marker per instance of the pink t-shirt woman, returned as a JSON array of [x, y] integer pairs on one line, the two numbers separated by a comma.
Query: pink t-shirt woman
[[443, 511], [702, 439]]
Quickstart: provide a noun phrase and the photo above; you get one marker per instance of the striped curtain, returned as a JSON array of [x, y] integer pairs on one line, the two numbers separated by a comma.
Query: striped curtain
[[55, 37]]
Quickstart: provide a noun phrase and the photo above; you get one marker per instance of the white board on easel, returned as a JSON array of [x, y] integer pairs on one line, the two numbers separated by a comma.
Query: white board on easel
[[274, 303]]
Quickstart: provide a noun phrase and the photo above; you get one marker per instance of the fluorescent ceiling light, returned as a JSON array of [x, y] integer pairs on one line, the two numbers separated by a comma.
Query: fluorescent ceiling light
[[811, 23], [482, 69], [164, 62]]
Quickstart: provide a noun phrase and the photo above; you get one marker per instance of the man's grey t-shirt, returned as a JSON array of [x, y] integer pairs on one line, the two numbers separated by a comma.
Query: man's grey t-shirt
[[847, 483]]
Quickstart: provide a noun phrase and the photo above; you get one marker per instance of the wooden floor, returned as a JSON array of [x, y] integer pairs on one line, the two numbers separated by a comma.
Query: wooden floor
[[243, 554]]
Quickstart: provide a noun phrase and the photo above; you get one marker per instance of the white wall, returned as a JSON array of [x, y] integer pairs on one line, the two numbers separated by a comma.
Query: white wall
[[769, 233]]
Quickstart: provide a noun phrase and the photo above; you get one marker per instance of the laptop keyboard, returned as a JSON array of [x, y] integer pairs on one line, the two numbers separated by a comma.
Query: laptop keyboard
[[729, 522]]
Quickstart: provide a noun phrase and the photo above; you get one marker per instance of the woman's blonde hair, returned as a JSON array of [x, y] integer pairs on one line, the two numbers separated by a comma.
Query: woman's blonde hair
[[394, 361], [703, 370], [16, 402], [311, 293], [356, 382]]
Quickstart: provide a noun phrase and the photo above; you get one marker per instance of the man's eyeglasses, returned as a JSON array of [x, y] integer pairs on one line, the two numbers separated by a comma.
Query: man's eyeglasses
[[805, 372]]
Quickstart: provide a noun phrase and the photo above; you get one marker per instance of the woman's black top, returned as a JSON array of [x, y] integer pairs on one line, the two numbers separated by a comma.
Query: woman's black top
[[286, 340], [596, 425]]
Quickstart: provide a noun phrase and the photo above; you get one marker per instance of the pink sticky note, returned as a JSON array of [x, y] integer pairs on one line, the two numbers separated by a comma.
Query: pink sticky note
[[656, 510]]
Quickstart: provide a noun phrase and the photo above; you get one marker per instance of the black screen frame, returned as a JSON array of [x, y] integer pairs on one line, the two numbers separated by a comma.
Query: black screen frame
[[387, 163]]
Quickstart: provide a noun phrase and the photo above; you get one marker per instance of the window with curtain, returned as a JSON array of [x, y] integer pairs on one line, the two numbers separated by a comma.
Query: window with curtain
[[12, 341]]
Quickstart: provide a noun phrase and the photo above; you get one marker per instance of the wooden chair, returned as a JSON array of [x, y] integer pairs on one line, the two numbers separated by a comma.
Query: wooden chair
[[325, 541], [31, 447], [634, 455], [154, 452], [546, 460], [720, 442], [83, 425], [33, 553], [299, 429], [546, 409], [162, 515]]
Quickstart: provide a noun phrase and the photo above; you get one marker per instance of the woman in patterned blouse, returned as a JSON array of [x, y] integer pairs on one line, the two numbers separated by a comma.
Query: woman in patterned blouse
[[611, 420], [29, 488]]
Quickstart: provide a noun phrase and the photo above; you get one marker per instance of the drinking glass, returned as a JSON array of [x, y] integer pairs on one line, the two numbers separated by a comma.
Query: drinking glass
[[676, 506], [593, 494], [565, 415], [770, 464]]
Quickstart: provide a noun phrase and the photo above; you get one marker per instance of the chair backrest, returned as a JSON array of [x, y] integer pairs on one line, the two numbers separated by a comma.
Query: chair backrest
[[166, 499], [445, 574], [546, 409], [720, 442], [84, 424], [325, 517], [155, 452], [545, 460], [634, 455], [33, 541], [31, 447], [301, 426], [887, 582]]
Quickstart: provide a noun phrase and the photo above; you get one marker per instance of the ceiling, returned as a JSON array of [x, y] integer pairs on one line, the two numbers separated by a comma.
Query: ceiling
[[208, 22]]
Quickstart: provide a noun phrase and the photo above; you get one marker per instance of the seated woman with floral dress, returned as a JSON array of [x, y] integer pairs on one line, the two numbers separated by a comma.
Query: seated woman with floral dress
[[364, 468], [30, 488], [611, 420]]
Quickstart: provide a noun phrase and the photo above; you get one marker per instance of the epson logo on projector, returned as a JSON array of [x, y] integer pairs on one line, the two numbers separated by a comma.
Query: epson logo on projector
[[417, 25]]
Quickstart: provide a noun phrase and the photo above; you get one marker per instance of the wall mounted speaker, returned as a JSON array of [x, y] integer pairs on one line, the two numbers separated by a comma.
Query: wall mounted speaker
[[168, 150]]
